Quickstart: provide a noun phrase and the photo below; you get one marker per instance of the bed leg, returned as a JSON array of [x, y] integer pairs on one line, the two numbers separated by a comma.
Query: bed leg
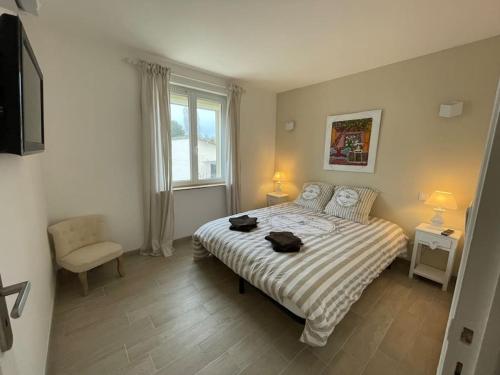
[[241, 285]]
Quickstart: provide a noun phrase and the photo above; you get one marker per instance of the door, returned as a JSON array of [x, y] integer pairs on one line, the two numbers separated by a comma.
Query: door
[[480, 267]]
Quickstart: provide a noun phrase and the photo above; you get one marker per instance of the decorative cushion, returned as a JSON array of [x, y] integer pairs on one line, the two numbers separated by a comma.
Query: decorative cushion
[[352, 203], [90, 256], [315, 195]]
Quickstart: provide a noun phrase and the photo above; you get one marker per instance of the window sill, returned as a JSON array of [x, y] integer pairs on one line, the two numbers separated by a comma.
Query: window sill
[[190, 187]]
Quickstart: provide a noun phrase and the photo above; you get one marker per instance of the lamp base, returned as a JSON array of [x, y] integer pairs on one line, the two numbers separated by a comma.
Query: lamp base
[[278, 187], [437, 220]]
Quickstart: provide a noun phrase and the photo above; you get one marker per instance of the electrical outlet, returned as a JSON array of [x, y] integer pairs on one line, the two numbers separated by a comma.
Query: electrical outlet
[[422, 196]]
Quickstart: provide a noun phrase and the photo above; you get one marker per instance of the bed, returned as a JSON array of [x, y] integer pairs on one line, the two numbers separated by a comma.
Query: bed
[[338, 260]]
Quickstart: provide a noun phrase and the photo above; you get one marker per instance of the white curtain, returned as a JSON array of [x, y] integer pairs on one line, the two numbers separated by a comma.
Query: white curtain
[[232, 147], [157, 160]]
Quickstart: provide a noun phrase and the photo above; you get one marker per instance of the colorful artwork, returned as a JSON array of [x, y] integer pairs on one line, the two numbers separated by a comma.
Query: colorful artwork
[[351, 141]]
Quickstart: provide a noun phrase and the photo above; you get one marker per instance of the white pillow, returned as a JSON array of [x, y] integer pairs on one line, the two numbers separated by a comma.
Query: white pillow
[[352, 203], [315, 195]]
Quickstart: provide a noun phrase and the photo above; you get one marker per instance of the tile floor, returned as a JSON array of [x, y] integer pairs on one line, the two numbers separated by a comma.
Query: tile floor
[[173, 316]]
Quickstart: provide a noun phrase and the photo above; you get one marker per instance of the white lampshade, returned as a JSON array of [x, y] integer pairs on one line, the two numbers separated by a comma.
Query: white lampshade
[[442, 199], [278, 176]]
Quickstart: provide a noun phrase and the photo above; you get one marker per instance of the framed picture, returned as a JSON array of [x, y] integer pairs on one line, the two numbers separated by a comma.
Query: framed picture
[[351, 141]]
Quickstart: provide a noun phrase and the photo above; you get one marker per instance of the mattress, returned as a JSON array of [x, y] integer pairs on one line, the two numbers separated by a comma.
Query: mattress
[[338, 260]]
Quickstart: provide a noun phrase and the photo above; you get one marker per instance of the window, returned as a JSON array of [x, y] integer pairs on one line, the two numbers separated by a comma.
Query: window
[[180, 130], [197, 128]]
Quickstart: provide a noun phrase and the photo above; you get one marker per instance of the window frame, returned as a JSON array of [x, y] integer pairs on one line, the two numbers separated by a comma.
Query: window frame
[[193, 95]]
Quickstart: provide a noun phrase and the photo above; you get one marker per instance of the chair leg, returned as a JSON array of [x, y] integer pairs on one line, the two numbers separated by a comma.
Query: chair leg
[[83, 280], [120, 267]]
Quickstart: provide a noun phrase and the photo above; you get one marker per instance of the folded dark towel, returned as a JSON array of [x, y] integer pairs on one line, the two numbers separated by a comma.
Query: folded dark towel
[[242, 228], [243, 223], [284, 242]]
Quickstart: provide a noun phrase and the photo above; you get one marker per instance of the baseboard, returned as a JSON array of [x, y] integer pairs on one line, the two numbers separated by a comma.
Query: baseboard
[[186, 238], [176, 241], [131, 252]]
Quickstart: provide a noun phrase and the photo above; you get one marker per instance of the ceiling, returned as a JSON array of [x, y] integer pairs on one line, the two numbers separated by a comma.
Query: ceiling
[[281, 44]]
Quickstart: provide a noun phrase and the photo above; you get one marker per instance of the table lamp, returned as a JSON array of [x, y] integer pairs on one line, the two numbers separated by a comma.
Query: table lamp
[[441, 201], [278, 178]]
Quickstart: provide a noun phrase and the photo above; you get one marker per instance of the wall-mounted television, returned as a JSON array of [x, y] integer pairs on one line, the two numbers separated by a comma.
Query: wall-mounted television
[[21, 91]]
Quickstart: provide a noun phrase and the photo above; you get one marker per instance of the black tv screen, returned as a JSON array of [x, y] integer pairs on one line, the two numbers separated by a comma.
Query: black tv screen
[[21, 91]]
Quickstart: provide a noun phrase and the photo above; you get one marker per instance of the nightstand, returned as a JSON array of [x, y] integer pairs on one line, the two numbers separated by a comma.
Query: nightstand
[[276, 198], [426, 234]]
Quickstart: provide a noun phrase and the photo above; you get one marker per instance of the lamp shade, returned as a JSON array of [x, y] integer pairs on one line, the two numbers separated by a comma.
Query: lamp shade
[[278, 176], [442, 199]]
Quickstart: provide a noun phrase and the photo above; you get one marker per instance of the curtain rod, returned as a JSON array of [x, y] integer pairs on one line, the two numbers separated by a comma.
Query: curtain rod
[[137, 62]]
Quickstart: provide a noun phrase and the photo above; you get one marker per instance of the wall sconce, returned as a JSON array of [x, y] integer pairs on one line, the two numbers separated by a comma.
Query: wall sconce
[[451, 109], [289, 126]]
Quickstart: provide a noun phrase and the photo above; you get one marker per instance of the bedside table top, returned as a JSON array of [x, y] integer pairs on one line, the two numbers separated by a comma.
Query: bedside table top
[[428, 228], [277, 194]]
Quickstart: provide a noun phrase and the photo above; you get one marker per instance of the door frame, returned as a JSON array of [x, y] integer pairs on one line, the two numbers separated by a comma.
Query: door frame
[[480, 265]]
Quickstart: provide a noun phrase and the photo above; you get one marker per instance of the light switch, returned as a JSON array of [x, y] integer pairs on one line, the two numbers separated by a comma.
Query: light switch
[[422, 196]]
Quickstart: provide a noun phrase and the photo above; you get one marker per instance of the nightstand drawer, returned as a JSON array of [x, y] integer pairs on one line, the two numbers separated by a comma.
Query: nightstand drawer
[[271, 201], [435, 241], [276, 198]]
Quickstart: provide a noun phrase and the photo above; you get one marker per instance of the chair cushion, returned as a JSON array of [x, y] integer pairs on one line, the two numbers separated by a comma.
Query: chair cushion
[[91, 256], [75, 233]]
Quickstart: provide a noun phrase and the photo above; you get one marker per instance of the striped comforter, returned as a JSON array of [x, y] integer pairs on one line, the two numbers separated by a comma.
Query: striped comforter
[[338, 260]]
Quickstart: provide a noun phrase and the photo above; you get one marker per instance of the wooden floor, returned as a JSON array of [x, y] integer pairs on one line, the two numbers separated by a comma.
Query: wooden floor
[[174, 316]]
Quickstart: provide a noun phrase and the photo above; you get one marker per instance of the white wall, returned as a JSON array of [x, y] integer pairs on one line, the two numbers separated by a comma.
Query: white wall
[[93, 154], [194, 207], [25, 255], [93, 135]]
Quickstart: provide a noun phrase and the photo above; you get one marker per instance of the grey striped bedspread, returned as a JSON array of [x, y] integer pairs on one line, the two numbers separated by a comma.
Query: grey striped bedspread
[[338, 261]]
